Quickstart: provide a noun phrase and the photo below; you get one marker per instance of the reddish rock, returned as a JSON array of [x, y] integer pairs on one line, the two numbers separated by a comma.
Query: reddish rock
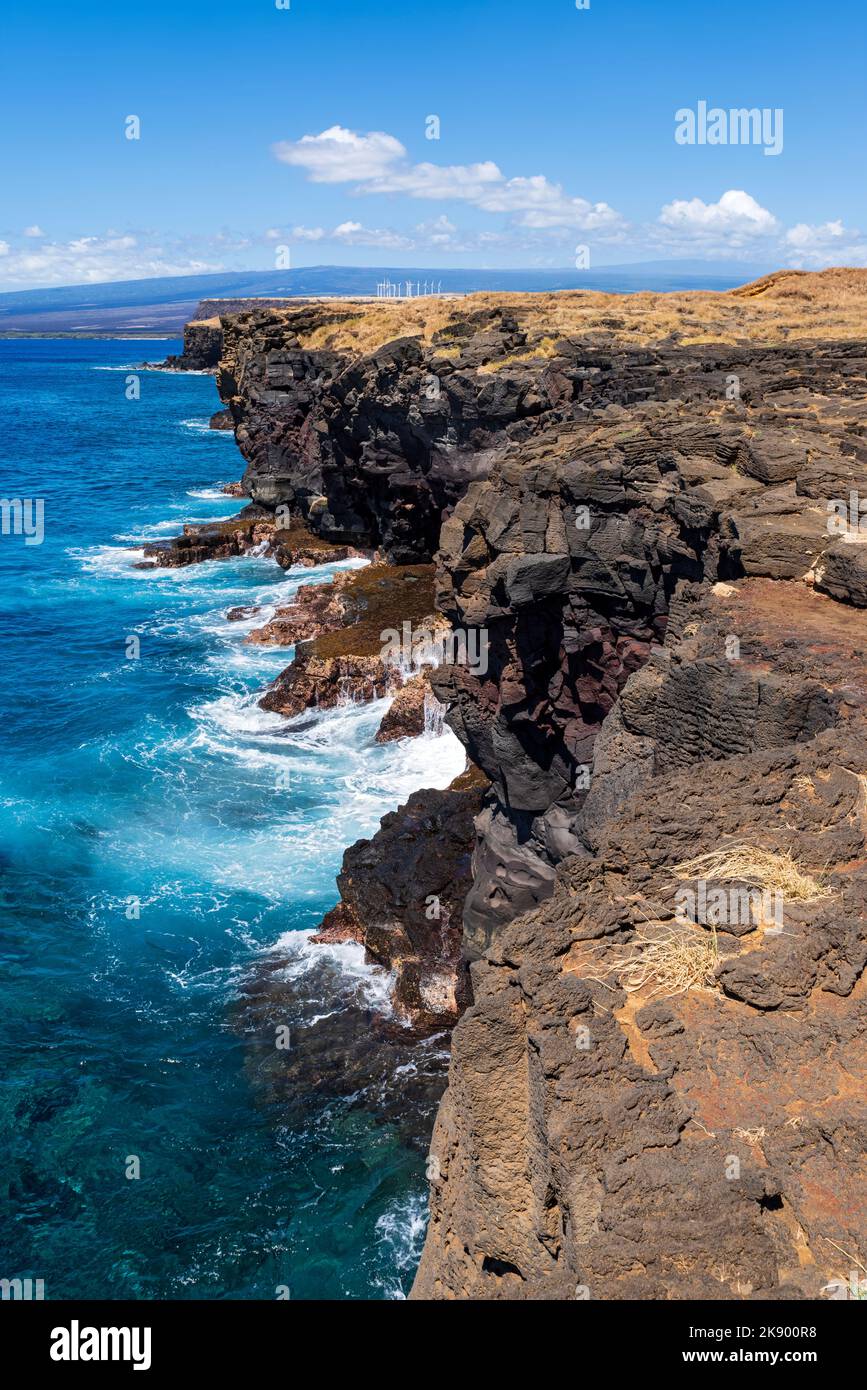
[[342, 923], [315, 682], [217, 540], [667, 1142], [402, 893], [317, 608], [244, 611], [405, 717]]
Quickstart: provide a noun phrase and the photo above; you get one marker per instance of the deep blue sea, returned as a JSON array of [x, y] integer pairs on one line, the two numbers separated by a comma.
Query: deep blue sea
[[162, 841]]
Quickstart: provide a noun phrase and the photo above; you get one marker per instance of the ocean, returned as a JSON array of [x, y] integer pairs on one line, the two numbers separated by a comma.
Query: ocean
[[165, 849]]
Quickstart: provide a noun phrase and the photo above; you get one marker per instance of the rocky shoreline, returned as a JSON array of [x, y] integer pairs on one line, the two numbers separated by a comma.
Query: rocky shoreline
[[630, 505]]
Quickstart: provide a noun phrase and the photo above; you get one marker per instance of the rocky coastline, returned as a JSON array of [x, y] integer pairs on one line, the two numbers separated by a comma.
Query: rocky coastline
[[640, 510]]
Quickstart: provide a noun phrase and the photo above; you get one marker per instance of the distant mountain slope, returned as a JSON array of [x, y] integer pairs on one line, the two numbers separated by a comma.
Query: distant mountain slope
[[162, 305]]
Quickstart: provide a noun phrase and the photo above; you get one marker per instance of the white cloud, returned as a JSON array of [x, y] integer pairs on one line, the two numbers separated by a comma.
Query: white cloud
[[829, 243], [736, 215], [356, 234], [806, 237], [739, 223], [338, 155], [92, 259], [4, 248], [34, 231], [378, 163], [440, 233], [308, 233], [467, 181]]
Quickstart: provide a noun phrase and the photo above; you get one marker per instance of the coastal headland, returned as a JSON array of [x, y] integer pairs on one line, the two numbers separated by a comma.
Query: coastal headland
[[646, 511]]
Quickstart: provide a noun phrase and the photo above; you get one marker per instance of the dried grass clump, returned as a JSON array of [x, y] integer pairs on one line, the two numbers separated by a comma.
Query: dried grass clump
[[766, 869], [546, 347], [672, 959]]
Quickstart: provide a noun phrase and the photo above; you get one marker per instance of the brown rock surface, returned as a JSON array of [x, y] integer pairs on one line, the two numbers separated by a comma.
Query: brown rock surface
[[405, 717], [402, 895], [345, 660], [251, 529], [702, 1144]]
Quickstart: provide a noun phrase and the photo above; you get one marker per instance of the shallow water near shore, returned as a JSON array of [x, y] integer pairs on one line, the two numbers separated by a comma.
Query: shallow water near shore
[[159, 835]]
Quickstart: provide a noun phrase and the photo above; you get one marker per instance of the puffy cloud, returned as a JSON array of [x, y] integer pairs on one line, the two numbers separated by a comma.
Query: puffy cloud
[[469, 182], [828, 243], [34, 231], [92, 260], [736, 215], [355, 234], [378, 163], [807, 237], [338, 155]]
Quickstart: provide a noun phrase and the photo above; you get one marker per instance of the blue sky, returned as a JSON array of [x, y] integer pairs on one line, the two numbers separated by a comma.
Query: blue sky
[[264, 128]]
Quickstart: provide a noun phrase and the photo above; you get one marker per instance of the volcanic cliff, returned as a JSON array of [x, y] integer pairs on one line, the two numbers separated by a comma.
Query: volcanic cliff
[[642, 509]]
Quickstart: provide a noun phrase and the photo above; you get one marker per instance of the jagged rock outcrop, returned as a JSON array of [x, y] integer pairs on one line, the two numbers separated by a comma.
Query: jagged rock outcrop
[[203, 347], [567, 557], [252, 530], [345, 655], [402, 893], [407, 713], [314, 610], [315, 682], [368, 420], [685, 461], [666, 1142]]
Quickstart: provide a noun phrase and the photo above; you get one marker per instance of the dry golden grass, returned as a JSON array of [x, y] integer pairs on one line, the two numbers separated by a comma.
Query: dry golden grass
[[546, 347], [670, 959], [856, 1267], [786, 306], [765, 869], [752, 1136]]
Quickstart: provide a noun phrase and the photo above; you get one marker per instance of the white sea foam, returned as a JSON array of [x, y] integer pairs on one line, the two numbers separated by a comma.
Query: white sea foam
[[299, 955], [401, 1229], [298, 791], [204, 427], [109, 559], [158, 530], [326, 779], [237, 715]]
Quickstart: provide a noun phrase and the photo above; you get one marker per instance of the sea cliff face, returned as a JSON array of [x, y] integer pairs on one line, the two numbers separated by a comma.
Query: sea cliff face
[[635, 525], [203, 345]]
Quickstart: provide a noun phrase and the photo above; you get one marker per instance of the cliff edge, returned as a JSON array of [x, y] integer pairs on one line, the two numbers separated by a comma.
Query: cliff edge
[[641, 511]]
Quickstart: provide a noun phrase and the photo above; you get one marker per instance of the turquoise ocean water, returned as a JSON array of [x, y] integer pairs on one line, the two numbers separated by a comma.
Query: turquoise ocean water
[[160, 836]]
